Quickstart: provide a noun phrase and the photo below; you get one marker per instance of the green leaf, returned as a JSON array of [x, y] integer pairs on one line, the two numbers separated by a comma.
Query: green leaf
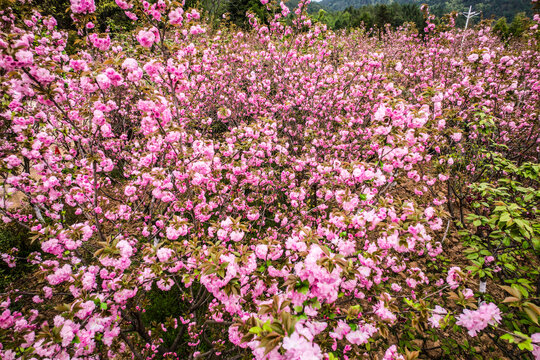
[[267, 327], [481, 273], [526, 345], [532, 315], [536, 243], [505, 216], [103, 306], [512, 291], [522, 289], [508, 265], [255, 330], [508, 337]]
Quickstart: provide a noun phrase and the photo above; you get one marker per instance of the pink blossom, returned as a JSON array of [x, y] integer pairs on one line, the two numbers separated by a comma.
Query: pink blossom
[[323, 154], [130, 190], [456, 137], [88, 281], [83, 6], [357, 337], [472, 57], [453, 279], [24, 57], [101, 42], [67, 333], [299, 348], [130, 64], [477, 320], [392, 354], [253, 215], [341, 330], [131, 15], [351, 204], [146, 38], [194, 14], [12, 161], [237, 235], [87, 309], [384, 313], [125, 248], [173, 233], [123, 4], [536, 345], [468, 293], [175, 16], [429, 212], [437, 315], [164, 254], [261, 251]]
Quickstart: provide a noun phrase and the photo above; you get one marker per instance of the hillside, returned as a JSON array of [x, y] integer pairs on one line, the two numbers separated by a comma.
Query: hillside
[[489, 8]]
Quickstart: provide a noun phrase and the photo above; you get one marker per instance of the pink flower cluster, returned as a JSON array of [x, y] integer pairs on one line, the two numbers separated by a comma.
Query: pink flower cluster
[[83, 6], [148, 37], [536, 346], [477, 320], [101, 42], [286, 176]]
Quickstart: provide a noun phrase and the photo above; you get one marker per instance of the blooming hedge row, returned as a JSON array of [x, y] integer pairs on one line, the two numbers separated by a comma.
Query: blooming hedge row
[[298, 192]]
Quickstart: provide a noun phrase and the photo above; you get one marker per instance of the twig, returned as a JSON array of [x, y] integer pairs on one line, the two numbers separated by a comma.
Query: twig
[[133, 350], [436, 292], [446, 231]]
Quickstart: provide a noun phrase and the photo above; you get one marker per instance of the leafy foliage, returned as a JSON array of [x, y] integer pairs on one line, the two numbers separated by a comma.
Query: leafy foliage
[[276, 192]]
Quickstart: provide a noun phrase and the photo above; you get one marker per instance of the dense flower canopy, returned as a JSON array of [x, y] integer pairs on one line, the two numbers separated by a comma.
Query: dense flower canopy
[[288, 186]]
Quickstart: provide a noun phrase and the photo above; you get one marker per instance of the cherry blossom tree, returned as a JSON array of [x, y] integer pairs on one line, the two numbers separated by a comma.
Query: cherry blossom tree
[[293, 188]]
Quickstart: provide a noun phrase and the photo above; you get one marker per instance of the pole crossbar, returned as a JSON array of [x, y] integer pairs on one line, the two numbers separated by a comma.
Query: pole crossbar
[[469, 15]]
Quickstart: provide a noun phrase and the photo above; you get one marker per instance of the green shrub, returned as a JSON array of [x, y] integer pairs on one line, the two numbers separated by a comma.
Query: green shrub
[[14, 236]]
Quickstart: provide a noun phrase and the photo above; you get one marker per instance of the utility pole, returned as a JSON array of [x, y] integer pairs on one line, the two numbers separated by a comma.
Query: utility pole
[[469, 15]]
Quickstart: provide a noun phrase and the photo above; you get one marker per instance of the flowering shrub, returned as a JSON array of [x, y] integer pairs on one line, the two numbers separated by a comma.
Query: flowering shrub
[[270, 194]]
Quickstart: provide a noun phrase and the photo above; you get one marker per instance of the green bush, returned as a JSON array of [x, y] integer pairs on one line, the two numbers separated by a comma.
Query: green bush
[[14, 236]]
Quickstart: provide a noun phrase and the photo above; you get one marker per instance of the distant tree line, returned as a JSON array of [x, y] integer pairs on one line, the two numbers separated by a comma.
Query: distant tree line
[[515, 29], [489, 8], [370, 14], [375, 16]]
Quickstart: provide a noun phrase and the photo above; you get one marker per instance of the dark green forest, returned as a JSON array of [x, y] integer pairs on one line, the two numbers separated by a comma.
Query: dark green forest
[[511, 17], [488, 8]]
